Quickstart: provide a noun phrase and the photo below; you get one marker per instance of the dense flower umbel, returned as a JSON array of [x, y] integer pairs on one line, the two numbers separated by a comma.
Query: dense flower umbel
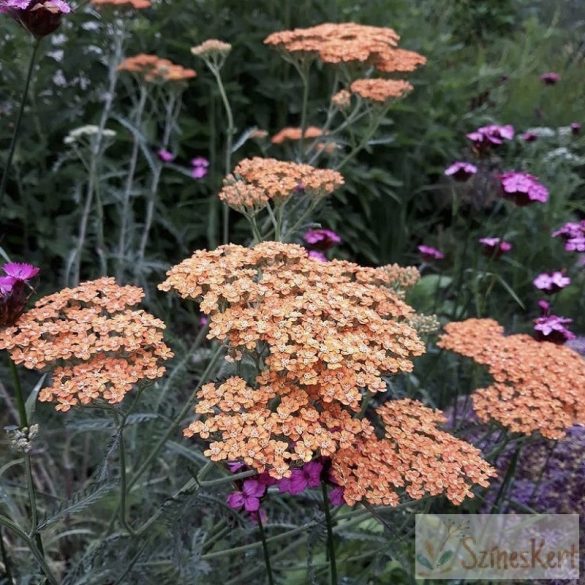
[[325, 330], [538, 386], [256, 181], [154, 69], [294, 134], [380, 90], [39, 17], [97, 344], [348, 43], [523, 188], [211, 48], [415, 457]]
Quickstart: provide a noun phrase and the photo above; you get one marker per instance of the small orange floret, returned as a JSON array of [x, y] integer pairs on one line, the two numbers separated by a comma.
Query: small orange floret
[[538, 386], [154, 69], [294, 134], [97, 344]]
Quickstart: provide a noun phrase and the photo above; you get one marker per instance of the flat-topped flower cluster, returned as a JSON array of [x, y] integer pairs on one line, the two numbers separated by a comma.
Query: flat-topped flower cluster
[[98, 346], [322, 336]]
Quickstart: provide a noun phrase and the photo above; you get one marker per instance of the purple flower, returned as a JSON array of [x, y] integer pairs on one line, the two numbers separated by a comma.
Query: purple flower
[[551, 282], [495, 247], [20, 270], [199, 172], [550, 78], [523, 188], [318, 256], [336, 496], [249, 496], [7, 284], [492, 135], [165, 155], [322, 239], [573, 235], [308, 476], [200, 161], [203, 321], [429, 253], [575, 128], [461, 170], [544, 307], [577, 344], [235, 466], [39, 17], [529, 136], [552, 328]]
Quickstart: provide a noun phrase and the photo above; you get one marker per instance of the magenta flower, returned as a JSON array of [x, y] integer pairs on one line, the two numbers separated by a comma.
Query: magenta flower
[[203, 321], [429, 253], [529, 136], [6, 285], [523, 189], [550, 78], [39, 17], [308, 476], [322, 239], [165, 155], [20, 270], [200, 167], [461, 170], [575, 128], [551, 282], [318, 256], [235, 466], [249, 496], [495, 247], [573, 234], [492, 135], [200, 161], [544, 307], [553, 328], [199, 172], [336, 496]]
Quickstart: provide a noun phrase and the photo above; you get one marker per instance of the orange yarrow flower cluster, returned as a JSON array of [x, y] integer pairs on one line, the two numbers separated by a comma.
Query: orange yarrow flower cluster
[[154, 69], [256, 181], [415, 457], [380, 90], [98, 346], [537, 386], [294, 134], [348, 43], [136, 4]]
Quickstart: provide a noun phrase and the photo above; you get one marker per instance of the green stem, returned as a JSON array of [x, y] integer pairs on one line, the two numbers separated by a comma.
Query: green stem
[[265, 550], [16, 133], [304, 73], [123, 489], [330, 541], [230, 130], [5, 558], [20, 400]]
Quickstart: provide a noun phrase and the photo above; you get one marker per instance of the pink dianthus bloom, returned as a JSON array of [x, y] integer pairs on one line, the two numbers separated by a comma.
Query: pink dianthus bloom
[[322, 238], [248, 497], [461, 170], [553, 328], [429, 253], [495, 247], [523, 188]]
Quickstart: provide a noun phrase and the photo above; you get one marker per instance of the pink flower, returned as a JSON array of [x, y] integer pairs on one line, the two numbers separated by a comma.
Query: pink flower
[[573, 234], [575, 128], [550, 78], [249, 496], [495, 247], [492, 135], [544, 307], [429, 253], [322, 239], [39, 17], [529, 136], [235, 466], [6, 285], [199, 172], [551, 282], [165, 155], [336, 496], [461, 170], [203, 321], [552, 328], [200, 161], [318, 256], [20, 270], [308, 476], [200, 167], [523, 188]]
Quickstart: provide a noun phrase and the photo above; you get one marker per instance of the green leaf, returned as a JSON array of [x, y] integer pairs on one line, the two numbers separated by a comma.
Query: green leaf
[[422, 560], [445, 557]]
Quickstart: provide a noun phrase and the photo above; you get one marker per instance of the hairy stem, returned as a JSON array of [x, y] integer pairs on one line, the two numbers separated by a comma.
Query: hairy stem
[[16, 132]]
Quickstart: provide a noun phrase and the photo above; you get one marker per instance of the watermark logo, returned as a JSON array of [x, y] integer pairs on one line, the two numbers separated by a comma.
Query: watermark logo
[[497, 546]]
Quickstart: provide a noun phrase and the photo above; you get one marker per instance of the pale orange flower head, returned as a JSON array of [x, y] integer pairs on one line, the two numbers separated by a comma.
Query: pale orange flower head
[[97, 345], [153, 69], [381, 90], [538, 387], [129, 4]]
